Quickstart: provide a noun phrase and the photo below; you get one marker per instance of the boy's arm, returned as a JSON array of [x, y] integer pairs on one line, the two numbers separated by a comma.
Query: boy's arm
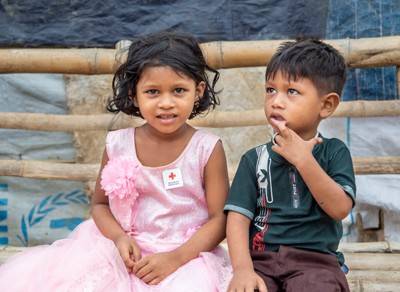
[[329, 195], [237, 235], [244, 276]]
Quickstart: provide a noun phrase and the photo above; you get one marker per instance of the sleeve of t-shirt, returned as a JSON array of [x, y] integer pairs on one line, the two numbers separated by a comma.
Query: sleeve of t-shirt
[[242, 196], [341, 170]]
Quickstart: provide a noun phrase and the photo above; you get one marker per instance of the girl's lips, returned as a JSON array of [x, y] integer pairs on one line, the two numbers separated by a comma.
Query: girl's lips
[[167, 118]]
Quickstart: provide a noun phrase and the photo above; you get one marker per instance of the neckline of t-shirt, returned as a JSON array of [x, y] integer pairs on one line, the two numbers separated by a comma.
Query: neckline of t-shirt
[[171, 164]]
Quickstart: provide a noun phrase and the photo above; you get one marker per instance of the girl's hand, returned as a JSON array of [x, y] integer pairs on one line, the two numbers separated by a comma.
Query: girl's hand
[[291, 146], [129, 251], [154, 268], [246, 280]]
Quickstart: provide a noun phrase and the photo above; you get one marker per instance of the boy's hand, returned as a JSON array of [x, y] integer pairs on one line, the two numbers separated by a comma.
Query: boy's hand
[[129, 251], [246, 280], [154, 268], [291, 146]]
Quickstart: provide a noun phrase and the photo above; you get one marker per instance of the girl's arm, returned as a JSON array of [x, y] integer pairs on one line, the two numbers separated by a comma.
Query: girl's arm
[[216, 186], [108, 225], [100, 209]]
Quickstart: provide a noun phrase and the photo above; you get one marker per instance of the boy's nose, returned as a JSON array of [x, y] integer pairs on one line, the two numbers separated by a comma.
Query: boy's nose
[[279, 100]]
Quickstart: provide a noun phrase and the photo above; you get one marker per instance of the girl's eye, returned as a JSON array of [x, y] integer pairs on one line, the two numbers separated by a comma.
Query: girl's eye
[[292, 91], [179, 90], [270, 90], [151, 91]]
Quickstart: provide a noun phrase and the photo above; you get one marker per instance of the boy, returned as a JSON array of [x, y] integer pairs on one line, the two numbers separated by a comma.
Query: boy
[[289, 196]]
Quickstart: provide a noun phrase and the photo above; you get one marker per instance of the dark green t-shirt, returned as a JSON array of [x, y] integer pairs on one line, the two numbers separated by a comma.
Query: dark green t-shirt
[[269, 190]]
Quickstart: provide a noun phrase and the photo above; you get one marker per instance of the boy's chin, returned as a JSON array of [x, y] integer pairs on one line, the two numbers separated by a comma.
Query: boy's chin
[[276, 124]]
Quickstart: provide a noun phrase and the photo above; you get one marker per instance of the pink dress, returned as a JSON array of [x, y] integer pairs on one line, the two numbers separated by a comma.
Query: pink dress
[[159, 219]]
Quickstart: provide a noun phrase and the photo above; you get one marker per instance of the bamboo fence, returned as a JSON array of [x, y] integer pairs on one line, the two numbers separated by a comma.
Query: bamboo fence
[[366, 52], [374, 266]]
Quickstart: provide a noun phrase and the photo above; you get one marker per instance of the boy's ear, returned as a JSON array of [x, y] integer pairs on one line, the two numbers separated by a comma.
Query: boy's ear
[[330, 102]]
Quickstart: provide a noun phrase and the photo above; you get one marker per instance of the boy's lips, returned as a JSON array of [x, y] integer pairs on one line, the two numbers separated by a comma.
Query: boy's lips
[[277, 119]]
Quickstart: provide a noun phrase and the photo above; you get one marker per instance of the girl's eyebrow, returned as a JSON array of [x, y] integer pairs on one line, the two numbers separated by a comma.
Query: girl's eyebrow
[[176, 84]]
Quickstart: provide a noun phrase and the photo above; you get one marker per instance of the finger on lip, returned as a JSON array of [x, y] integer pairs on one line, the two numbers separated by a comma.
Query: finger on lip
[[277, 123]]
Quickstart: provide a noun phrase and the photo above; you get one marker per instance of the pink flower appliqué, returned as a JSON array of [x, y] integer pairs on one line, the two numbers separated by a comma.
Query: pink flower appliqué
[[118, 179]]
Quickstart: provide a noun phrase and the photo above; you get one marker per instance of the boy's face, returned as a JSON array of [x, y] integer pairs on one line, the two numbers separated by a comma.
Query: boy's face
[[297, 104]]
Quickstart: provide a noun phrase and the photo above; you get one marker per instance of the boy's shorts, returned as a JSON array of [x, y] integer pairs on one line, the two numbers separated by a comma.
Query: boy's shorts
[[295, 270]]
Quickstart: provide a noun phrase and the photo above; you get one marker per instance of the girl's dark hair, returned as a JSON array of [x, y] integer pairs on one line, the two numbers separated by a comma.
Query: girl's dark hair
[[179, 51], [312, 59]]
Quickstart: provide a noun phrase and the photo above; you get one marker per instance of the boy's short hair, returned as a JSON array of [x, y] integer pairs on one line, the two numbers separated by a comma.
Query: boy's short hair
[[312, 59]]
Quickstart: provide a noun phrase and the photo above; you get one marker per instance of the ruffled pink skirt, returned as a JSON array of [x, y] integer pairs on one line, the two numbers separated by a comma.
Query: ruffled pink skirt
[[87, 261]]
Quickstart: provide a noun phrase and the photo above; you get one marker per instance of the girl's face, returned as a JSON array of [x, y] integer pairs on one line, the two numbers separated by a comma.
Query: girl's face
[[166, 98]]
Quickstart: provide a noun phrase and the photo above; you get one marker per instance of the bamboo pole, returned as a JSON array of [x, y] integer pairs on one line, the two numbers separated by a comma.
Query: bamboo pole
[[364, 52], [371, 261], [363, 285], [66, 61], [48, 170], [375, 275], [66, 123], [370, 247], [216, 119], [88, 172], [377, 165]]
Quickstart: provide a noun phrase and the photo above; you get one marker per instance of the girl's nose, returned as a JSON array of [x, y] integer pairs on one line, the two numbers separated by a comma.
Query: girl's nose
[[166, 101]]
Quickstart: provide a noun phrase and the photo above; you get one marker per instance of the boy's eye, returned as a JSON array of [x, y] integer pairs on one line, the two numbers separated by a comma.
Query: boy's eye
[[292, 91], [269, 90], [151, 91], [179, 90]]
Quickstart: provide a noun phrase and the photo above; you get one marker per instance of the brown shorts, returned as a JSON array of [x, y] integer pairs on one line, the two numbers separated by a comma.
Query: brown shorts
[[295, 270]]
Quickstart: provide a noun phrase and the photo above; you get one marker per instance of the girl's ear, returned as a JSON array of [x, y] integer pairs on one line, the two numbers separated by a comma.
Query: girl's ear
[[200, 88], [330, 102], [133, 98]]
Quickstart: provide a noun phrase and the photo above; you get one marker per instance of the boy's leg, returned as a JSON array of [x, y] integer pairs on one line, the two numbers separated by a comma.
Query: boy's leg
[[265, 266], [310, 271]]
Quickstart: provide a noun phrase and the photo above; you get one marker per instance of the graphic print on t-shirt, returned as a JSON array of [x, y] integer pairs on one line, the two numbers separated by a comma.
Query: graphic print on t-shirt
[[263, 172]]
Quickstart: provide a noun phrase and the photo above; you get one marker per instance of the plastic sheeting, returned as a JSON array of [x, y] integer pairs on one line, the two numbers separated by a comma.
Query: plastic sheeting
[[371, 137], [36, 211], [101, 23]]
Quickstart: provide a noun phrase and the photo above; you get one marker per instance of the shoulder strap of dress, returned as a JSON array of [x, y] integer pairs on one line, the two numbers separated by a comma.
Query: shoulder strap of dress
[[202, 146], [120, 142]]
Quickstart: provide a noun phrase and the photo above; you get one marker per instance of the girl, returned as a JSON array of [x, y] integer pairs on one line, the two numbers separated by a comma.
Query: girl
[[158, 205]]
